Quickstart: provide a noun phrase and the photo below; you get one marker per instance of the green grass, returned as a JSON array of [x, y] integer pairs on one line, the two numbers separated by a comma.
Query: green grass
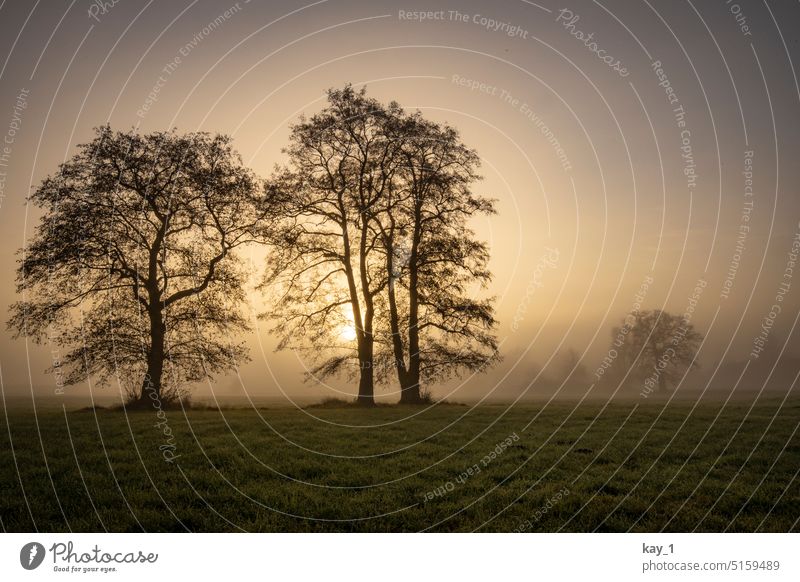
[[627, 467]]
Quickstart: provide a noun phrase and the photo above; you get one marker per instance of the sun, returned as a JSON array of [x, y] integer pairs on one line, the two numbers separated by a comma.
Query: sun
[[347, 332]]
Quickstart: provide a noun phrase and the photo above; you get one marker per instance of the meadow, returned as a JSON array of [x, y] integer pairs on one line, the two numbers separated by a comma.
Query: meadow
[[629, 466]]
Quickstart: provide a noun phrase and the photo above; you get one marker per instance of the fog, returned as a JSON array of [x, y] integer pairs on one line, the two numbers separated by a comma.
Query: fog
[[616, 189]]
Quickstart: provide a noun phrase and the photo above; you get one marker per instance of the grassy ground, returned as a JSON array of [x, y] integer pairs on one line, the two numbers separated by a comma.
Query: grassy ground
[[640, 467]]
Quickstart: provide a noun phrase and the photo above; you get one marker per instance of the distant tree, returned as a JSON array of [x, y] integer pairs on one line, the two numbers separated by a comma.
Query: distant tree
[[133, 264], [657, 347], [438, 327]]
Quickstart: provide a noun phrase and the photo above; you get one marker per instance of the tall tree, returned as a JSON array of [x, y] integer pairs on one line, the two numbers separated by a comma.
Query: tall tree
[[433, 260], [341, 165], [377, 233], [133, 265]]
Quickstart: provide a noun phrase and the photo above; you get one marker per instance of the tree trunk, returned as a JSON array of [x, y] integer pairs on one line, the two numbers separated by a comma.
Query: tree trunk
[[411, 393], [151, 385], [364, 339], [366, 383], [366, 379], [409, 390]]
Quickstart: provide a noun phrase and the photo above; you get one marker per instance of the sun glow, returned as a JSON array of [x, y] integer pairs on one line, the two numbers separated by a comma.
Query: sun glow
[[347, 332]]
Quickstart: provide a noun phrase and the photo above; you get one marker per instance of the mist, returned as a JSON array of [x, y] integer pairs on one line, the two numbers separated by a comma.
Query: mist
[[664, 179]]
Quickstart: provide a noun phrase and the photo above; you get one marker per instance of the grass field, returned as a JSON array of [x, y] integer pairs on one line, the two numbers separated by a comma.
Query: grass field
[[636, 466]]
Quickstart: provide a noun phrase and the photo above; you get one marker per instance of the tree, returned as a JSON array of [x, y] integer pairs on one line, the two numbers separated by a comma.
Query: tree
[[433, 260], [133, 264], [376, 234], [657, 346], [341, 163]]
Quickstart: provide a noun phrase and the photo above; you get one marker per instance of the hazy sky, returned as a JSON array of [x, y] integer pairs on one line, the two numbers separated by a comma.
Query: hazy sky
[[616, 158]]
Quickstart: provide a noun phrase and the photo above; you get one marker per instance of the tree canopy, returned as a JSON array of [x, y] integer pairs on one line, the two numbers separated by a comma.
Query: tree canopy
[[133, 264]]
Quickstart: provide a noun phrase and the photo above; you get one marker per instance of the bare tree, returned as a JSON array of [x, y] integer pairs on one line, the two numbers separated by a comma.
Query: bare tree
[[434, 262], [133, 264], [657, 348], [341, 164], [376, 233]]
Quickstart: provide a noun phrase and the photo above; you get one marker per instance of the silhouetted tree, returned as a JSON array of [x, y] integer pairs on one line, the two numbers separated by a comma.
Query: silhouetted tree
[[341, 164], [133, 264], [434, 262], [376, 234], [657, 347]]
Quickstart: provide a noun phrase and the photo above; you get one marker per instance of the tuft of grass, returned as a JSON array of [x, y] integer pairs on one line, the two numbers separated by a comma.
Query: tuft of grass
[[333, 402]]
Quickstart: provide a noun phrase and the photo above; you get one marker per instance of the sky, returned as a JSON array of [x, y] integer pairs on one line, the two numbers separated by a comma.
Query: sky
[[641, 154]]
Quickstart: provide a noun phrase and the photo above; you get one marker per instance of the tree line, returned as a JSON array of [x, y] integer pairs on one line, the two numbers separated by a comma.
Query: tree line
[[372, 269]]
